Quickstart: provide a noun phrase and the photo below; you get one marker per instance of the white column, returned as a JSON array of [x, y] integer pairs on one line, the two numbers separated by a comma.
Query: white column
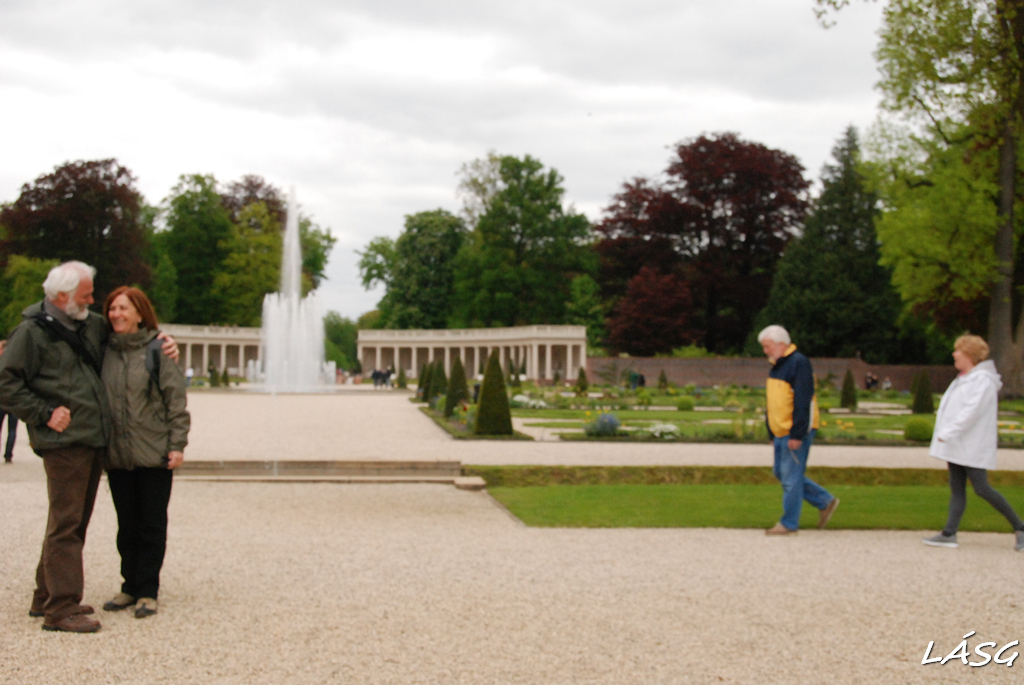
[[376, 357], [533, 365], [188, 355], [447, 360]]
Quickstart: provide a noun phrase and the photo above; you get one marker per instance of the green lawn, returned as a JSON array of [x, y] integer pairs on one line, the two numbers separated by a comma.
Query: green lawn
[[909, 507]]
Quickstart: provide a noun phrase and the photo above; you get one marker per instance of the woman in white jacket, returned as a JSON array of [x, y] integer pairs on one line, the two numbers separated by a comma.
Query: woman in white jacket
[[966, 436]]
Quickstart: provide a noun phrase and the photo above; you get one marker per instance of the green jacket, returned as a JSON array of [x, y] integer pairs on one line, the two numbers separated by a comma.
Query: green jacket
[[148, 422], [39, 374]]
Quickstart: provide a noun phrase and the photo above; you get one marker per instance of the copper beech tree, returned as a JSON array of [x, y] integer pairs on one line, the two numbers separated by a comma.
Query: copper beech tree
[[718, 222], [89, 211]]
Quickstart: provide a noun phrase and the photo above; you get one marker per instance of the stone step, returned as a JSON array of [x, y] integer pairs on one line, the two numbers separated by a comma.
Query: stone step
[[327, 471]]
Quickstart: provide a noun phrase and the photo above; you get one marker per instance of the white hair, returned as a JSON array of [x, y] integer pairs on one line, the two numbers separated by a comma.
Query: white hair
[[775, 334], [64, 278]]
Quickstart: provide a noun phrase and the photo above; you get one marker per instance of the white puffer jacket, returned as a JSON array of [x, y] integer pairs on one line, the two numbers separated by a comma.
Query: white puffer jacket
[[966, 432]]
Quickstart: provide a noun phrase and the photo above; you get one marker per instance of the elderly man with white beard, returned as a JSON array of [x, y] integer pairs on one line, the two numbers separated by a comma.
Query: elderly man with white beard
[[50, 379]]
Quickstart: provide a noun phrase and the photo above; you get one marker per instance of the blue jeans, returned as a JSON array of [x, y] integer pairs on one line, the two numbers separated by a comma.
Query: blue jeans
[[790, 466]]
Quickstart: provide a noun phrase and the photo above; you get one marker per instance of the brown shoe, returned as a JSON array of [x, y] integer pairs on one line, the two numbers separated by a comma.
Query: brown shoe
[[779, 529], [826, 514], [82, 609], [75, 623]]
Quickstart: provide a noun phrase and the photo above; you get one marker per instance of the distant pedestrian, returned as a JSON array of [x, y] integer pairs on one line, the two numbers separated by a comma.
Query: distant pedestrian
[[792, 417], [966, 437], [12, 423], [189, 373]]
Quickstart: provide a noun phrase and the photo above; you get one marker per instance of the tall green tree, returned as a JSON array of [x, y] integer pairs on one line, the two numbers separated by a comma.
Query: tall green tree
[[585, 308], [199, 230], [21, 285], [315, 243], [830, 291], [518, 262], [88, 211], [340, 344], [251, 267], [957, 68], [416, 269]]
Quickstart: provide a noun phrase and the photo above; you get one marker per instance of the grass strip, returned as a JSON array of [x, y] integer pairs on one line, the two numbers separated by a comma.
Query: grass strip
[[460, 431], [904, 507], [543, 476]]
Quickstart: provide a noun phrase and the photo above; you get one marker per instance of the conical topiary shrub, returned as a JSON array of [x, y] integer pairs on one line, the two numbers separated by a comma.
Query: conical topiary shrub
[[423, 382], [924, 403], [225, 380], [662, 380], [457, 390], [438, 381], [848, 399], [403, 382], [582, 383], [493, 417]]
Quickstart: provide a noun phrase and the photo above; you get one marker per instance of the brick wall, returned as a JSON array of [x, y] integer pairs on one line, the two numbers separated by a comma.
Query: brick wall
[[754, 371]]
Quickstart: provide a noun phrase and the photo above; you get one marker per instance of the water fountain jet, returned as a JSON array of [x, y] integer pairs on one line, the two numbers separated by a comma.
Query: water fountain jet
[[293, 328]]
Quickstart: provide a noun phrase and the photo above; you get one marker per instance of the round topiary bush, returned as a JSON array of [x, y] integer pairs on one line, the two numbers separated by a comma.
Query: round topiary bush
[[686, 404], [918, 429]]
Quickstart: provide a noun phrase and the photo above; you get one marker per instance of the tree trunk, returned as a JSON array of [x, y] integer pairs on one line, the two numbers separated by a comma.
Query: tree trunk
[[1005, 351]]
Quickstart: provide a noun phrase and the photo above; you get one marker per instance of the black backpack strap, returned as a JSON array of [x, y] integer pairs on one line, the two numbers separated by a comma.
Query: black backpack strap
[[154, 353], [57, 331]]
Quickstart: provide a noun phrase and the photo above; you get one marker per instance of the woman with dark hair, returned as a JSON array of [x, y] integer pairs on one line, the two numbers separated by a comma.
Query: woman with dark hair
[[966, 437], [150, 431]]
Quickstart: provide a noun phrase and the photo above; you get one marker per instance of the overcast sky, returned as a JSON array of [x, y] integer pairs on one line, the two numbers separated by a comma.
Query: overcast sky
[[369, 108]]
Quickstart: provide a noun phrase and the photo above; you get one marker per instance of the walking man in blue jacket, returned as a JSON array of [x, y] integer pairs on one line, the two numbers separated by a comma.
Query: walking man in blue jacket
[[792, 417]]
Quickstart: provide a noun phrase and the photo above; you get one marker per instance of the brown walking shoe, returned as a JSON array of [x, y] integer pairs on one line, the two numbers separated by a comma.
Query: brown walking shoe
[[826, 514], [75, 623], [82, 609], [779, 529]]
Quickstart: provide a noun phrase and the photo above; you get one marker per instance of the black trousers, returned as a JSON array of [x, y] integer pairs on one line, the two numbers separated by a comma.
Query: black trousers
[[141, 497], [12, 431]]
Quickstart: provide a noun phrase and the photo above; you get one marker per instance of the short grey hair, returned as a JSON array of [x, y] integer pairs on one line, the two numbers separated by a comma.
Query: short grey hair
[[775, 334], [64, 278]]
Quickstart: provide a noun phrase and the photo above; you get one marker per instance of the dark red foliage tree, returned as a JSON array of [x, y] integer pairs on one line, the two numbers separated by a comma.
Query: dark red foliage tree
[[740, 204], [88, 211], [653, 316], [638, 231], [720, 222], [250, 189]]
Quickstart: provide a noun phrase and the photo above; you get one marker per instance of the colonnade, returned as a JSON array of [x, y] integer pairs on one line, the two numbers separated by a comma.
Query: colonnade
[[539, 352]]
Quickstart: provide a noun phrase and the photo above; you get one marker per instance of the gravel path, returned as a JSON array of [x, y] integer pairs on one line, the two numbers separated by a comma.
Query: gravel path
[[318, 583]]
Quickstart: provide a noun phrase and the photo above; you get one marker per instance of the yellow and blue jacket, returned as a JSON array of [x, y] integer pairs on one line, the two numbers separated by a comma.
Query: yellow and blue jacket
[[792, 407]]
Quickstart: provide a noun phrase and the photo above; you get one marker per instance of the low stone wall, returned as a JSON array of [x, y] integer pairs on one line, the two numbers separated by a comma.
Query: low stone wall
[[753, 371]]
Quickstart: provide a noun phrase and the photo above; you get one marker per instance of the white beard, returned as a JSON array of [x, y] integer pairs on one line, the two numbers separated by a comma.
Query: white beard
[[75, 312]]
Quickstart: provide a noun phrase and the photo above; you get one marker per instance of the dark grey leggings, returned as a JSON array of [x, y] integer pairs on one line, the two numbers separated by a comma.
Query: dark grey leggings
[[958, 476]]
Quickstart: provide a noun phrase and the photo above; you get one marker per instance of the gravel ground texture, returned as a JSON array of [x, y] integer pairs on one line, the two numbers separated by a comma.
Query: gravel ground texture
[[323, 583]]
